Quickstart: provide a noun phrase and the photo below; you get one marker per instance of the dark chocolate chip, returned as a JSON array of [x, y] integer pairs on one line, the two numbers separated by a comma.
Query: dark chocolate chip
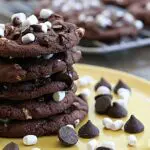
[[44, 40], [102, 103], [15, 35], [121, 84], [103, 82], [88, 130], [11, 146], [117, 111], [16, 21], [67, 136], [27, 30], [133, 125], [36, 28], [103, 148]]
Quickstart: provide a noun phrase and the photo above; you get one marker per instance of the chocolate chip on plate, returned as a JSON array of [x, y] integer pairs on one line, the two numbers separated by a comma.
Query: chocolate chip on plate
[[103, 148], [67, 136], [121, 84], [103, 82], [102, 103], [133, 125], [117, 111], [11, 146], [88, 130]]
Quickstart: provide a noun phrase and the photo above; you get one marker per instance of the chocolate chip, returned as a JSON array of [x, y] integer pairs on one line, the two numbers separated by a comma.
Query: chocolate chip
[[102, 103], [103, 148], [119, 85], [11, 146], [15, 35], [67, 136], [44, 40], [16, 21], [27, 30], [88, 130], [103, 82], [133, 125], [117, 111], [36, 28]]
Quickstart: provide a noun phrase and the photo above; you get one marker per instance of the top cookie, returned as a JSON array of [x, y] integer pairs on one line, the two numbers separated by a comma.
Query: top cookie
[[32, 36]]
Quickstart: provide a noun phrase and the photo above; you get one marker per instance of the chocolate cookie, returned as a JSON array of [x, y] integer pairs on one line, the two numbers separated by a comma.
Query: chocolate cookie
[[19, 69], [49, 126], [141, 11], [30, 40], [36, 88], [38, 108], [105, 24]]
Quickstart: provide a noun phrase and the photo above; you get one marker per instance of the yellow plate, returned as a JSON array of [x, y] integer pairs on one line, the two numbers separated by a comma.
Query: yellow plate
[[139, 105]]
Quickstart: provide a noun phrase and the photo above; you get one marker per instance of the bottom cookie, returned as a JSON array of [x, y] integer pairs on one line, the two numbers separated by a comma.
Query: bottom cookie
[[48, 126]]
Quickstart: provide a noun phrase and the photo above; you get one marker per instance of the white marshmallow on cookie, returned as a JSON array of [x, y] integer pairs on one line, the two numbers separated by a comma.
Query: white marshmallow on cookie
[[28, 38], [29, 140], [59, 96], [30, 21], [49, 24], [45, 13], [2, 32], [20, 16], [92, 144], [2, 26], [132, 140], [138, 24], [103, 90], [44, 27], [123, 103]]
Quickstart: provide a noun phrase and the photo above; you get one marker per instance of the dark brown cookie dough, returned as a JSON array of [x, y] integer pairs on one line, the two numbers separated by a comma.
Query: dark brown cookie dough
[[141, 10], [19, 69], [49, 126], [38, 108], [55, 40]]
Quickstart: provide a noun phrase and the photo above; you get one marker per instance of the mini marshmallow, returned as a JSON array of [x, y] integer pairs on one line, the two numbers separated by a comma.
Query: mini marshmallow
[[59, 96], [103, 21], [2, 26], [132, 140], [123, 103], [70, 125], [92, 145], [117, 125], [44, 27], [124, 93], [49, 24], [35, 148], [129, 18], [48, 56], [45, 13], [29, 140], [85, 80], [106, 13], [107, 122], [76, 123], [2, 32], [139, 24], [119, 13], [108, 144], [21, 16], [82, 17], [86, 92], [28, 38], [89, 18], [30, 21], [103, 90]]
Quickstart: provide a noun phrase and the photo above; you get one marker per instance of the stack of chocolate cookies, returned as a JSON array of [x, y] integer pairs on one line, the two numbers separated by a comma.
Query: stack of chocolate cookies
[[37, 90]]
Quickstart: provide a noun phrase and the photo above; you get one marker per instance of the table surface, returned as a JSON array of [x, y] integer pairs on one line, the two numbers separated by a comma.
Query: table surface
[[135, 61]]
